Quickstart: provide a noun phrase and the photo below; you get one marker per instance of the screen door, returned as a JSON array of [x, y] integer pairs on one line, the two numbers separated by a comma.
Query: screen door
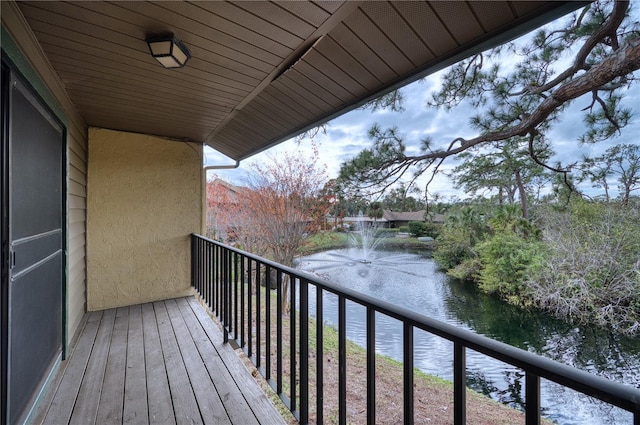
[[33, 243]]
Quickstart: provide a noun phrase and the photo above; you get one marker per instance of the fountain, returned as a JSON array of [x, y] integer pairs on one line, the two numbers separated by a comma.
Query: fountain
[[366, 239]]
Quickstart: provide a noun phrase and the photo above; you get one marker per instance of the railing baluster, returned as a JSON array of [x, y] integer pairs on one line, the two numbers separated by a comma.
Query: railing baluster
[[459, 384], [319, 356], [203, 264], [371, 366], [342, 361], [267, 324], [225, 295], [532, 399], [292, 341], [217, 283], [194, 264], [250, 283], [236, 289], [228, 302], [408, 372], [304, 351], [243, 290], [279, 333], [258, 315]]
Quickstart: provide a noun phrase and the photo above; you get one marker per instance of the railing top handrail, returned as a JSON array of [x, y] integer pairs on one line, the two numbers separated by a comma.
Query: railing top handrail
[[613, 392]]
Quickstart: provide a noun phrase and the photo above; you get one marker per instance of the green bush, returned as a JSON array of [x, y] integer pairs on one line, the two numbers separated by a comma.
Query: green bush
[[508, 261], [468, 270], [452, 248], [385, 232], [418, 228], [403, 229]]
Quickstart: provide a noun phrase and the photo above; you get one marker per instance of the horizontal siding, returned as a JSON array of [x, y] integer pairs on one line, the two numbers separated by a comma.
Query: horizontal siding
[[16, 25], [77, 202]]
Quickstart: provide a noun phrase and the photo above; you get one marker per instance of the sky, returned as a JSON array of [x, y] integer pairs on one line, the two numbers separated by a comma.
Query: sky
[[347, 135]]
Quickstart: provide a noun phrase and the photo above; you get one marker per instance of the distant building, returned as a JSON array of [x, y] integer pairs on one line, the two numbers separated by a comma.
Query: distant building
[[397, 219], [393, 219]]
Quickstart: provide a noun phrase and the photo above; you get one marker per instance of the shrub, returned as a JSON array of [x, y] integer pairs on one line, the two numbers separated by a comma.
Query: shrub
[[452, 248], [418, 228], [592, 271], [508, 261]]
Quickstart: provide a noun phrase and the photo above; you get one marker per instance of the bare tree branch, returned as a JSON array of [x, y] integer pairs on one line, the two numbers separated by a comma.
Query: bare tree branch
[[623, 62]]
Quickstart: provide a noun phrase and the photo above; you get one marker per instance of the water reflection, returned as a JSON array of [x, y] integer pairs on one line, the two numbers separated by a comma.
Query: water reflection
[[413, 282]]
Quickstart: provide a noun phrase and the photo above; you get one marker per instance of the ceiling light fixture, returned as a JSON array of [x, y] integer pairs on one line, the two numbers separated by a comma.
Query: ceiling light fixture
[[168, 50]]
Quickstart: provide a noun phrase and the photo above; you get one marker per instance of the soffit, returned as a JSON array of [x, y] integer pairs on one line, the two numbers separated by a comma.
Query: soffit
[[260, 72]]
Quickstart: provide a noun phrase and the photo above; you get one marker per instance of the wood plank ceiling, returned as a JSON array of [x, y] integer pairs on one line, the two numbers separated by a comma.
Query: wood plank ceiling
[[260, 72]]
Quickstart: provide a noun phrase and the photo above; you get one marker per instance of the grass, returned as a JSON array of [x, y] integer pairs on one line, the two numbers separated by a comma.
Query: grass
[[433, 396], [324, 241]]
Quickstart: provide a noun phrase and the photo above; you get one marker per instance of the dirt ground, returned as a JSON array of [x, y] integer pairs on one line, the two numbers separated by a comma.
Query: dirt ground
[[433, 397]]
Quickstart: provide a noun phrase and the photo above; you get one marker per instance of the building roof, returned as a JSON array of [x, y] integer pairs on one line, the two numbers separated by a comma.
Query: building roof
[[404, 216]]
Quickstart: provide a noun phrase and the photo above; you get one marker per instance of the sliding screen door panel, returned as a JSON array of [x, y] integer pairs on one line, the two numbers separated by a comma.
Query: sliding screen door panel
[[36, 247]]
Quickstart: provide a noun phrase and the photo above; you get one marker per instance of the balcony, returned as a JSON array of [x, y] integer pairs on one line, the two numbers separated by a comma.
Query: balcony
[[155, 363], [286, 345]]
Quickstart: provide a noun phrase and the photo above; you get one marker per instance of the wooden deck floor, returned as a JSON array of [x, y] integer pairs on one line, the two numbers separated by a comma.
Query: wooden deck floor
[[156, 363]]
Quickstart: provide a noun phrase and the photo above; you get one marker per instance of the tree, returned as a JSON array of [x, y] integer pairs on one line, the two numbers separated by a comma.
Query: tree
[[282, 205], [622, 161], [375, 210], [283, 197], [521, 100], [508, 169], [397, 199]]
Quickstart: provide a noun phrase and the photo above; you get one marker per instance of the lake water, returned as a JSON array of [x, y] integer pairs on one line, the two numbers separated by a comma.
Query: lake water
[[414, 282]]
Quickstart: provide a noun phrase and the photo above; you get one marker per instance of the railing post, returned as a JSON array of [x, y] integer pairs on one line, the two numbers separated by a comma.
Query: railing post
[[225, 290], [243, 290], [267, 324], [193, 262], [371, 366], [532, 399], [304, 351], [408, 372], [258, 315], [250, 283], [279, 334], [292, 340], [342, 361], [459, 384], [319, 356]]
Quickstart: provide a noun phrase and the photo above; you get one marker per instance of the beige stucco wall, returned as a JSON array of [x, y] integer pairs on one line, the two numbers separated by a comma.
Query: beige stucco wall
[[144, 200]]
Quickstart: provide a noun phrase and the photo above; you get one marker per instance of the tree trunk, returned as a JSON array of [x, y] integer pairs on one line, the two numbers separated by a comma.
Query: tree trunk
[[523, 195]]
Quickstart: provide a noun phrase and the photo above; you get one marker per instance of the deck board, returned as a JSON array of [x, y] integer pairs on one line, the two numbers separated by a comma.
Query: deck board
[[160, 407], [135, 407], [255, 397], [236, 403], [110, 406], [211, 408], [185, 405], [156, 363], [86, 407], [61, 407]]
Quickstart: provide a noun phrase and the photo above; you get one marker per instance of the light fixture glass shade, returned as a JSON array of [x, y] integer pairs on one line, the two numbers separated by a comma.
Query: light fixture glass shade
[[167, 50]]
